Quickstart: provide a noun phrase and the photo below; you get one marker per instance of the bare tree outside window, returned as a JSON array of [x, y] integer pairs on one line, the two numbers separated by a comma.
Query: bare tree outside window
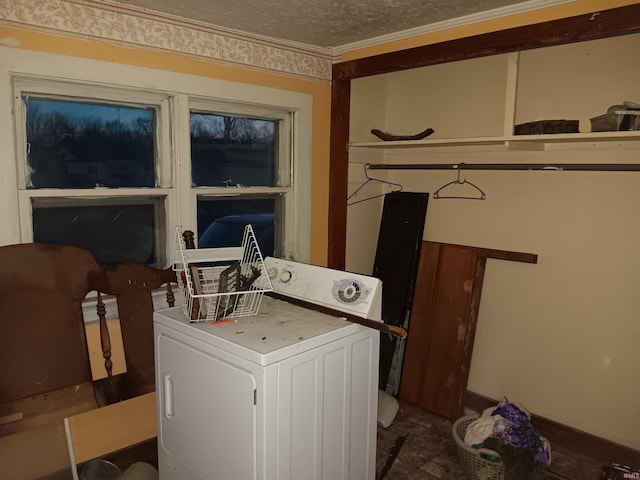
[[78, 145], [230, 151], [102, 168], [83, 145]]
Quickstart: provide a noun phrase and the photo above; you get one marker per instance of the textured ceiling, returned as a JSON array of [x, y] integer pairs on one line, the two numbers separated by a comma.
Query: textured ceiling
[[323, 23]]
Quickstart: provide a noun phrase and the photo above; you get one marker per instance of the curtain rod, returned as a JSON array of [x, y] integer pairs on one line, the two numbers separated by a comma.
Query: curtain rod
[[595, 167]]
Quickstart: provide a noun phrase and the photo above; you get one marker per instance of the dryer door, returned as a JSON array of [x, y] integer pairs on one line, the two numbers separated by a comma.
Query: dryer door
[[206, 413]]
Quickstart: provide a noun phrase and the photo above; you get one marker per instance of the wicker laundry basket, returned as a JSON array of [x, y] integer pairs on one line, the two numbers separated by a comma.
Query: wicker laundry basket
[[477, 463]]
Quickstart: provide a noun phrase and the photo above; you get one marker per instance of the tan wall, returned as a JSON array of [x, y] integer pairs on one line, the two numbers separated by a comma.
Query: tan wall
[[560, 336]]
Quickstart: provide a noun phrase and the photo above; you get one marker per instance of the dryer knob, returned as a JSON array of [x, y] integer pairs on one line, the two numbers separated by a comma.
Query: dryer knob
[[285, 276]]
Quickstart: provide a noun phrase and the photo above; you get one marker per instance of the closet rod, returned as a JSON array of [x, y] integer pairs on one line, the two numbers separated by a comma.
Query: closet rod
[[593, 167]]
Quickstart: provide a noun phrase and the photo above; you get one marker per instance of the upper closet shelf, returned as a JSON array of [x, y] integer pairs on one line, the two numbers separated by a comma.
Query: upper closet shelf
[[442, 142], [514, 142]]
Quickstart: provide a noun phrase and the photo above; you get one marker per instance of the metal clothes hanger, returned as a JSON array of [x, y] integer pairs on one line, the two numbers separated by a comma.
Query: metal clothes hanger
[[366, 182], [481, 194]]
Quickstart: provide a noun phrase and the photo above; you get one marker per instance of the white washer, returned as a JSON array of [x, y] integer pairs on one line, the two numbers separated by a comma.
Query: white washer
[[290, 394]]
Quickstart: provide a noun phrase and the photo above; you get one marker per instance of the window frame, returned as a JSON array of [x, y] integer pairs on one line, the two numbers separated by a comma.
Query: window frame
[[59, 89], [84, 92], [285, 180], [174, 94]]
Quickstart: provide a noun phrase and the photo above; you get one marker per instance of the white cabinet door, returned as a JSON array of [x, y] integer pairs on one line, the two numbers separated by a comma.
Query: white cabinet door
[[327, 410], [206, 414]]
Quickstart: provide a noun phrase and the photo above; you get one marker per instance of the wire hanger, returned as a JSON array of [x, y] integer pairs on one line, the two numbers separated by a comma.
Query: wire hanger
[[481, 194], [368, 180]]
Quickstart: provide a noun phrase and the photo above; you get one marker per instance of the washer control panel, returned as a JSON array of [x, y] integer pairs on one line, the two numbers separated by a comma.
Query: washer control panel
[[353, 293]]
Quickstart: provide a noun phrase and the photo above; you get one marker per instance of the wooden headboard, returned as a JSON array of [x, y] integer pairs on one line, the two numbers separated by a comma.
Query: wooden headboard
[[42, 343], [45, 372]]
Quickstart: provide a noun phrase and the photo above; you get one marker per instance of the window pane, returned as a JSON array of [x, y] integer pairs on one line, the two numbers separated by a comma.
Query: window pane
[[221, 222], [232, 151], [113, 233], [85, 145]]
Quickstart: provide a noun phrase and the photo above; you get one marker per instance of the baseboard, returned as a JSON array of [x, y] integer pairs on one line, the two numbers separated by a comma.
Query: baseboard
[[591, 446]]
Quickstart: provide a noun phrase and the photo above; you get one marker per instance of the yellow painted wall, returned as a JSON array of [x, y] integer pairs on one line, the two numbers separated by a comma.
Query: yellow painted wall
[[320, 91]]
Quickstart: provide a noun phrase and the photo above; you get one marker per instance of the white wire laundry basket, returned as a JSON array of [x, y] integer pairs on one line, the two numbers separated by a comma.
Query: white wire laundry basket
[[221, 283], [477, 463]]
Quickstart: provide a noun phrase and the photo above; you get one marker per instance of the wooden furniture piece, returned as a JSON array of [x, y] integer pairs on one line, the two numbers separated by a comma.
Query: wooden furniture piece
[[132, 285], [136, 426], [45, 373], [44, 368], [42, 345], [443, 323]]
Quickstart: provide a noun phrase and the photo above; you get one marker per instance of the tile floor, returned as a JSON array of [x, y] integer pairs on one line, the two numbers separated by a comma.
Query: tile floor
[[429, 451]]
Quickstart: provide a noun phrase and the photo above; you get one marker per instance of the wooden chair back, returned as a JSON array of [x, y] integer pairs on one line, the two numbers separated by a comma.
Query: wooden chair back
[[132, 284], [43, 345], [42, 337]]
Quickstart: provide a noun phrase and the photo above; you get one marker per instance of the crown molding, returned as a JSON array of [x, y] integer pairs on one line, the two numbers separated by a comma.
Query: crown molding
[[304, 48], [100, 20], [449, 24], [131, 26]]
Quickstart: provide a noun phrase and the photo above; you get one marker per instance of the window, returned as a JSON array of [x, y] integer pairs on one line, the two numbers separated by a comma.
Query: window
[[92, 173], [221, 221], [233, 151], [114, 169], [77, 144], [114, 230], [250, 155]]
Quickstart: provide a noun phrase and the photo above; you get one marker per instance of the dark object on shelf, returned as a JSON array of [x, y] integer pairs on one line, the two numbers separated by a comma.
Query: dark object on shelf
[[547, 126], [616, 121], [388, 137]]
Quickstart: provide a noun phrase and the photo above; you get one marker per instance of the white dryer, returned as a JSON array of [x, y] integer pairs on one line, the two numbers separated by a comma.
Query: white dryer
[[289, 394]]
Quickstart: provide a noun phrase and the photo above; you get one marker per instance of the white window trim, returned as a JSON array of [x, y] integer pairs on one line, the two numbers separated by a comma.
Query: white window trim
[[175, 88], [284, 152], [75, 90]]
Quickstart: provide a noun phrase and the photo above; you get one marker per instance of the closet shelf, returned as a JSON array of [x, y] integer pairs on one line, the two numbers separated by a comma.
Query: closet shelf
[[444, 142], [551, 167], [513, 142]]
